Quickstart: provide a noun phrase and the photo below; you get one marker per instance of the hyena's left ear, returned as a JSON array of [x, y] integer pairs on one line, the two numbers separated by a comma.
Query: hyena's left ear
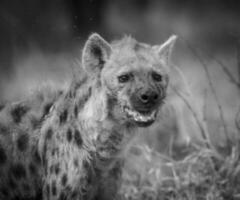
[[165, 50], [95, 53]]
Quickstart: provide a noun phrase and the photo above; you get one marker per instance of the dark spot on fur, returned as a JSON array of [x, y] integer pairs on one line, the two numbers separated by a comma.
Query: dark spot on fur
[[63, 116], [78, 138], [69, 135], [84, 193], [4, 191], [88, 171], [85, 165], [74, 194], [53, 152], [1, 106], [37, 157], [46, 109], [68, 189], [62, 196], [49, 134], [48, 191], [64, 179], [51, 168], [22, 142], [76, 110], [39, 194], [3, 129], [76, 84], [3, 156], [54, 188], [75, 162], [60, 92], [44, 154], [26, 187], [18, 112], [116, 170], [32, 169], [18, 171], [85, 97], [11, 183], [57, 169], [36, 123]]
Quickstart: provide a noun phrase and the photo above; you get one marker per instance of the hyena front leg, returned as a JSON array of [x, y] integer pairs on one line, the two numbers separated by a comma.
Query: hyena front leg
[[68, 173]]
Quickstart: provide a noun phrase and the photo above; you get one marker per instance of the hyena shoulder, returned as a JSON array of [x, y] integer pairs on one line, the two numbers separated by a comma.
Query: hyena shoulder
[[65, 144]]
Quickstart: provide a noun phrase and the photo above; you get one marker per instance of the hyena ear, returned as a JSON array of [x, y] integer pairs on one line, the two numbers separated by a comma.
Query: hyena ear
[[95, 53], [165, 50]]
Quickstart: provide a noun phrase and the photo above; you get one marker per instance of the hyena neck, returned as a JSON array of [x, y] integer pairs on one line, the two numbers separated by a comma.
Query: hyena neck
[[108, 136]]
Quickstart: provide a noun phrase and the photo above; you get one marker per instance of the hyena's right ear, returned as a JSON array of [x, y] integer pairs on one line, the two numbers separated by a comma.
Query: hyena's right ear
[[95, 53]]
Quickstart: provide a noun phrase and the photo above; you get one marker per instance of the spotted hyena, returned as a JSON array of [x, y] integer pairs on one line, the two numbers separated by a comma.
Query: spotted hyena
[[67, 145]]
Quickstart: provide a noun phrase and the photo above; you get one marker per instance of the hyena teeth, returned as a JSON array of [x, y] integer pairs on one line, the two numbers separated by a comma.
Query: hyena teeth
[[139, 117]]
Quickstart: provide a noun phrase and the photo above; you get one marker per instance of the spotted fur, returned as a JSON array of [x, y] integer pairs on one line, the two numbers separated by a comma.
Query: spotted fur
[[67, 145]]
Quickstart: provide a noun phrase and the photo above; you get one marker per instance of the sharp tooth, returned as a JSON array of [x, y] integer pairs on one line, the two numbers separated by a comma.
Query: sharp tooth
[[139, 117], [154, 114]]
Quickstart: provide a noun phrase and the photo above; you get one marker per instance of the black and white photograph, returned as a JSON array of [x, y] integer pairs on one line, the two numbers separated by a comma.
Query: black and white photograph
[[119, 100]]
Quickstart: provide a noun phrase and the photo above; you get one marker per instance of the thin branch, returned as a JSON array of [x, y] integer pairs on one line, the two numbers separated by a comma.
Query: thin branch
[[237, 120], [205, 106], [238, 61], [205, 67], [225, 69], [227, 72]]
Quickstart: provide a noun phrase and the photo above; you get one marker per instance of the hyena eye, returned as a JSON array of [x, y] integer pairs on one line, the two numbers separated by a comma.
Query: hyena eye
[[124, 78], [157, 77]]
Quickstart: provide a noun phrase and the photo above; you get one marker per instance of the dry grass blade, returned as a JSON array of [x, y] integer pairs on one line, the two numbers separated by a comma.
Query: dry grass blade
[[227, 72], [205, 67], [200, 124], [238, 61], [237, 120]]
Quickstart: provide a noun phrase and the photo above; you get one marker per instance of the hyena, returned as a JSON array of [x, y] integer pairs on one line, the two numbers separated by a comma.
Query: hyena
[[68, 146]]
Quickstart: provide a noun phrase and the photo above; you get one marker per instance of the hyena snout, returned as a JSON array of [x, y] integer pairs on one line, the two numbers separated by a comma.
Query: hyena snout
[[148, 97], [145, 100]]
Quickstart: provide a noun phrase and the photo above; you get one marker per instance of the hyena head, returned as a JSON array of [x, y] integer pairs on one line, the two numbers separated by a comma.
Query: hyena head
[[133, 75]]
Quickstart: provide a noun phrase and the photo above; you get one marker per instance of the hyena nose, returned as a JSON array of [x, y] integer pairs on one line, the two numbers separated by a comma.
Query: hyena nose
[[148, 97]]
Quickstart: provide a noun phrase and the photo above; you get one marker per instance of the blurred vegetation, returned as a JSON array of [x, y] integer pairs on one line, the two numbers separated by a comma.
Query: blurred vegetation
[[204, 174]]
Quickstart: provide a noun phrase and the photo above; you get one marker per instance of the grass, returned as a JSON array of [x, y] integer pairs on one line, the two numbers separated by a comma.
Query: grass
[[205, 172]]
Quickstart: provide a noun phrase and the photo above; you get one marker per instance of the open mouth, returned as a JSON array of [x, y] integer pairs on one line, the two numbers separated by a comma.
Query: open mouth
[[142, 119]]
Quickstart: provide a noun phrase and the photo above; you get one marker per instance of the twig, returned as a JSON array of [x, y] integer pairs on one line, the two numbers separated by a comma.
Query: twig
[[205, 106], [227, 72], [237, 120], [225, 69], [238, 61], [205, 67]]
